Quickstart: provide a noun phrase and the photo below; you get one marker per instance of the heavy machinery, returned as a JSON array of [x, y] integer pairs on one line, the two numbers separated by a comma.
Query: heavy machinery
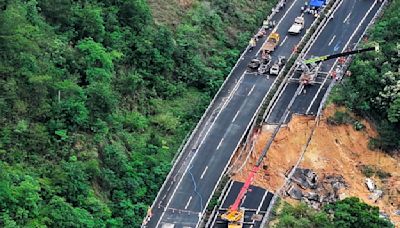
[[235, 215], [262, 66], [310, 67], [297, 26], [272, 42]]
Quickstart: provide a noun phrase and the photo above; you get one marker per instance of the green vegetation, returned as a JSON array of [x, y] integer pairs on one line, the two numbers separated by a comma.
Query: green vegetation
[[95, 99], [369, 171], [373, 90], [340, 118], [350, 212]]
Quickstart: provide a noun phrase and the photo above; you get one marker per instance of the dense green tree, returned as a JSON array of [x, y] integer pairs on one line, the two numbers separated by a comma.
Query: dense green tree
[[373, 90], [302, 216], [95, 99], [351, 212]]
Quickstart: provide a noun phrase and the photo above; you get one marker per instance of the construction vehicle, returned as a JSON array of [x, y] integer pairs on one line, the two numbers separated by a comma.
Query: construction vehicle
[[271, 43], [277, 65], [310, 67], [235, 215]]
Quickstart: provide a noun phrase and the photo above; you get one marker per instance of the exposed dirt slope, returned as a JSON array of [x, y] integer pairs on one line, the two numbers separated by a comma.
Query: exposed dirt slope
[[169, 12], [333, 150]]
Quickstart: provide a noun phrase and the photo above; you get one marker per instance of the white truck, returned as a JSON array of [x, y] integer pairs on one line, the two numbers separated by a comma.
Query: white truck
[[297, 26]]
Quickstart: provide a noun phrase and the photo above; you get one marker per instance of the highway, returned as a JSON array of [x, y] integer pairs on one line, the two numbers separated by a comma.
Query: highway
[[341, 32], [255, 202], [192, 181]]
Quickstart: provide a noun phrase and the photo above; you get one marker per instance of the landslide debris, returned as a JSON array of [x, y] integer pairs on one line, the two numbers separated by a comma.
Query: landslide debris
[[337, 154]]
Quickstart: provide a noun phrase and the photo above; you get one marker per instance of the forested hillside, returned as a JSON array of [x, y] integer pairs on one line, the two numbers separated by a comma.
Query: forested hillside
[[373, 90], [350, 212], [95, 99]]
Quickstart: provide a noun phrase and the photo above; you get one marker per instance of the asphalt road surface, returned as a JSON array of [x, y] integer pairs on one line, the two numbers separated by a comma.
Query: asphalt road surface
[[191, 184], [353, 16], [255, 203], [341, 32]]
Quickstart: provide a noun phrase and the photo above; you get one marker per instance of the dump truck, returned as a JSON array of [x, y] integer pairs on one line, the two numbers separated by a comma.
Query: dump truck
[[297, 26], [272, 42]]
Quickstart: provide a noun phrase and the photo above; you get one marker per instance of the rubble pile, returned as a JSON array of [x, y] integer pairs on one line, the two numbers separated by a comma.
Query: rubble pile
[[308, 187], [376, 193]]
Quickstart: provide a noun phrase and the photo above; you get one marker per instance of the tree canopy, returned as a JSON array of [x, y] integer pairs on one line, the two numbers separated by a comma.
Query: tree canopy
[[95, 99], [373, 90], [350, 212]]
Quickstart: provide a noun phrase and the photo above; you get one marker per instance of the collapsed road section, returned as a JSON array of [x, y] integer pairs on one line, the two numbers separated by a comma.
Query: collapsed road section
[[206, 155], [299, 97]]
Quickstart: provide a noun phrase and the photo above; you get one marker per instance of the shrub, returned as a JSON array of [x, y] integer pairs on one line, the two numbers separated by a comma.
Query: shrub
[[358, 126], [340, 118]]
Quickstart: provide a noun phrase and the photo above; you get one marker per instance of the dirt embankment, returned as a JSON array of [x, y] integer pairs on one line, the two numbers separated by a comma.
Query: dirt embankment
[[332, 150]]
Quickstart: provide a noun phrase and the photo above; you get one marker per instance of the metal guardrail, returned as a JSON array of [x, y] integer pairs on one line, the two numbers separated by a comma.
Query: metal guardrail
[[264, 99], [310, 40], [350, 59], [273, 200], [187, 139], [318, 30]]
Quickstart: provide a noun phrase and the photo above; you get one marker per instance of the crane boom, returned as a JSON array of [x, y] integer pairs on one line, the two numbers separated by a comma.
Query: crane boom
[[310, 67], [234, 214], [245, 187], [328, 57]]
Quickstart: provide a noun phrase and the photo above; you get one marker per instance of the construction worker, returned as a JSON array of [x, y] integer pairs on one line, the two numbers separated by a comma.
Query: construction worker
[[252, 43]]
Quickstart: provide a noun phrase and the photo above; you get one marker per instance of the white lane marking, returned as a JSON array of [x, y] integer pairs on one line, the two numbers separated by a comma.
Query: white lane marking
[[276, 102], [284, 16], [344, 47], [283, 41], [204, 172], [220, 142], [347, 18], [188, 202], [234, 118], [226, 194], [252, 88], [262, 201], [323, 29], [279, 22], [198, 148], [330, 42]]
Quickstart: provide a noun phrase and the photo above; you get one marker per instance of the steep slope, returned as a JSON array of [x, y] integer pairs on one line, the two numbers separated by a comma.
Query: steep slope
[[339, 150]]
